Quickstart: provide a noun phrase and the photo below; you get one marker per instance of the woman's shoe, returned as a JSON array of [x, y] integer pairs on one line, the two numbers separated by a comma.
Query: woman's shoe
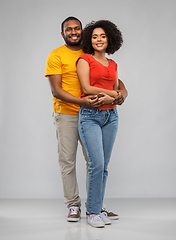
[[95, 220]]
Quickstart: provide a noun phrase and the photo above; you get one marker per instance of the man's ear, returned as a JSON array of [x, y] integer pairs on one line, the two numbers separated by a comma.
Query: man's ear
[[62, 34]]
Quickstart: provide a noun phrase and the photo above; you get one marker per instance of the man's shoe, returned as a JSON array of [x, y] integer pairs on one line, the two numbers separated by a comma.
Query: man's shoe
[[74, 214], [105, 219], [95, 220], [110, 214]]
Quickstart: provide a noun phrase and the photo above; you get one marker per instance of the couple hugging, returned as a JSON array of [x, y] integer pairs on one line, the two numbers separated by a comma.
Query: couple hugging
[[86, 91]]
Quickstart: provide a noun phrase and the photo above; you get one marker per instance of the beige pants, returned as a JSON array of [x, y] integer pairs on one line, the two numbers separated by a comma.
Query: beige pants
[[68, 136]]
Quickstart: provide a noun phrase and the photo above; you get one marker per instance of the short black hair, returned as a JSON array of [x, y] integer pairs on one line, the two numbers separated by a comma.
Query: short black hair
[[113, 34], [68, 19]]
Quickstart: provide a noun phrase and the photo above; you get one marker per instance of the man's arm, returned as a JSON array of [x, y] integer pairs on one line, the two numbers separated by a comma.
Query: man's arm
[[58, 92], [122, 93]]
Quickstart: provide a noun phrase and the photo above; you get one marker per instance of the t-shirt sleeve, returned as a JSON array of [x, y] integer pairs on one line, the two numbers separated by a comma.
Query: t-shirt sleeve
[[85, 57], [53, 65], [114, 64]]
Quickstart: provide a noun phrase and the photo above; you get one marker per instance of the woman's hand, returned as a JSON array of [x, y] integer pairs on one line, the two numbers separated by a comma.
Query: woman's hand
[[91, 101], [105, 98]]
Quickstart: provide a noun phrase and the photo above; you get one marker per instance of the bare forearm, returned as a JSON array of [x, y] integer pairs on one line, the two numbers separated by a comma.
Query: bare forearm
[[123, 89], [91, 101], [66, 97], [95, 91], [122, 93], [60, 93]]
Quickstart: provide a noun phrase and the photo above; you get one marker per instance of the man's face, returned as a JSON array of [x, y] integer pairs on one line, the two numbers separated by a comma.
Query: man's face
[[72, 33]]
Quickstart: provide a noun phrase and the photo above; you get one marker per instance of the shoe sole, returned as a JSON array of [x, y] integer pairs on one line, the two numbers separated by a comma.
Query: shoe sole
[[73, 219], [108, 223], [113, 218], [95, 226]]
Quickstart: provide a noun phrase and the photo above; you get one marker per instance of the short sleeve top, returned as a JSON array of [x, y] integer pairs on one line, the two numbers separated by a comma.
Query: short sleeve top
[[62, 61], [100, 75]]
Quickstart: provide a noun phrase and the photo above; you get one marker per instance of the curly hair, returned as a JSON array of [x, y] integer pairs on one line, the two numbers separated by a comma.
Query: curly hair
[[113, 34]]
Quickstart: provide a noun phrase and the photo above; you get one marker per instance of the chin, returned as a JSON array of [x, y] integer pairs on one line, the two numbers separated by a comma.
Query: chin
[[74, 43]]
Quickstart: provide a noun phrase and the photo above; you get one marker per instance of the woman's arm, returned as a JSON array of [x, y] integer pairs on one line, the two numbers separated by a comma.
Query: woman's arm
[[83, 72]]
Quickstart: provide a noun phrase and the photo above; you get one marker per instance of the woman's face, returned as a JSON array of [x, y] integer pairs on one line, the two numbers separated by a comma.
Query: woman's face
[[99, 40]]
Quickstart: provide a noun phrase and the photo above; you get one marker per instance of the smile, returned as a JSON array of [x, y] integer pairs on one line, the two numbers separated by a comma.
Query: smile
[[74, 37], [99, 44]]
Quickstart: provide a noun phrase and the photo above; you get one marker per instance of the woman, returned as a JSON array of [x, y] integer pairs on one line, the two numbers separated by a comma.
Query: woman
[[98, 127]]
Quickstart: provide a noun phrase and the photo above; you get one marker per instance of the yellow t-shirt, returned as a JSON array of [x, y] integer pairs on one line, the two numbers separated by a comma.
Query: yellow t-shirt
[[62, 60]]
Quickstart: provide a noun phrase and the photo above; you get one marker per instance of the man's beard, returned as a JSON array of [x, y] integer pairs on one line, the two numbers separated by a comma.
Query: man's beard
[[70, 43]]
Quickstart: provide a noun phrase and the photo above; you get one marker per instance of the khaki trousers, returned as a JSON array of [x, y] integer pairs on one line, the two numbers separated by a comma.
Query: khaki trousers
[[68, 137]]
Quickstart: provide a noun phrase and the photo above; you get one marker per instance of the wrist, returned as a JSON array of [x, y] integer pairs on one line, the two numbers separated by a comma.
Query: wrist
[[81, 102], [108, 100], [115, 94]]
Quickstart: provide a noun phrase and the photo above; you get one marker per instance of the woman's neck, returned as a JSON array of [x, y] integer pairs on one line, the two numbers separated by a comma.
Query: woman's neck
[[99, 55]]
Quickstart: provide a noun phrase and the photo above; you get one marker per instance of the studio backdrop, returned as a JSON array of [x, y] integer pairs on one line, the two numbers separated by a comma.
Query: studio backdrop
[[143, 161]]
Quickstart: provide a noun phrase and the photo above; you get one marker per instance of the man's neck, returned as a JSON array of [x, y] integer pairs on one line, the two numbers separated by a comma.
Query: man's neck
[[74, 48]]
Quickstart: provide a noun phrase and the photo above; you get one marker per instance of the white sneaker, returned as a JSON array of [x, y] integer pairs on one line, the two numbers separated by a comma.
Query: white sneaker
[[95, 220], [105, 218]]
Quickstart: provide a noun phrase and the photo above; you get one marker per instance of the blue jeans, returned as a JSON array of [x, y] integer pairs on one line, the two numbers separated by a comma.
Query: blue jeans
[[97, 129]]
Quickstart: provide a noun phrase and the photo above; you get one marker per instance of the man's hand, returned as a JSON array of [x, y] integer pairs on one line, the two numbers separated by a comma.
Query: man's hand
[[91, 101], [120, 98]]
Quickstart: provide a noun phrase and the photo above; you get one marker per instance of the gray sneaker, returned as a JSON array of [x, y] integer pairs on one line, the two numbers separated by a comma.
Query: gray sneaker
[[95, 220]]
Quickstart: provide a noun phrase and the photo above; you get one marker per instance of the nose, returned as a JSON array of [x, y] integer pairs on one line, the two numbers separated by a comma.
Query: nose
[[98, 38], [73, 31]]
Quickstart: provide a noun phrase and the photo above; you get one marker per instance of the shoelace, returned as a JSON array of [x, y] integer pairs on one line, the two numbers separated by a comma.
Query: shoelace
[[74, 210], [104, 214], [97, 217], [105, 209]]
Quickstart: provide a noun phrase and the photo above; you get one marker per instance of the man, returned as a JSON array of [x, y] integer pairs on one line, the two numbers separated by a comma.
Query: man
[[65, 87]]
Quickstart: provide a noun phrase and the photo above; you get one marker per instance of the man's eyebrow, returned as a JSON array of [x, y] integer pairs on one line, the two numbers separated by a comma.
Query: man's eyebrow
[[73, 27]]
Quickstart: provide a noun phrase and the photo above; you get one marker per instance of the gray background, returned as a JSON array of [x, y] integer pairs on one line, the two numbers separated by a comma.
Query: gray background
[[143, 160]]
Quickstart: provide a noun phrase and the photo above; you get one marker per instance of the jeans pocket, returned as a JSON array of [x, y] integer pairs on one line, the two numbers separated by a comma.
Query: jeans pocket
[[88, 112]]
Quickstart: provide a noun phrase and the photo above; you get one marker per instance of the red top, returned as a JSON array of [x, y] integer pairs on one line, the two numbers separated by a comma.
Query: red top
[[101, 76]]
